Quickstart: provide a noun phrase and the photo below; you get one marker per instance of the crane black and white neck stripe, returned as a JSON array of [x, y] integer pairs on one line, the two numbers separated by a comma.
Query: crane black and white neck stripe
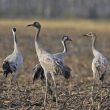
[[61, 55], [12, 62]]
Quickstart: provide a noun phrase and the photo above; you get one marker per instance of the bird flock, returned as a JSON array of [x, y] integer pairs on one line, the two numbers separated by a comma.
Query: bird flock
[[52, 64]]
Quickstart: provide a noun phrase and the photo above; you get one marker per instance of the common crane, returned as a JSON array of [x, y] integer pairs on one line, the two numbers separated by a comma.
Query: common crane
[[12, 63], [49, 63], [99, 63], [61, 55]]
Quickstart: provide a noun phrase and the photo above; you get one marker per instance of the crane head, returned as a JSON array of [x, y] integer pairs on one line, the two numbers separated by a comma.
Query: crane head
[[35, 24], [66, 38], [90, 34], [14, 29]]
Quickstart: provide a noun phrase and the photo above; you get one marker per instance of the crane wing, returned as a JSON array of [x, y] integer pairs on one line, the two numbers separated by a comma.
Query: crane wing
[[38, 73], [101, 66], [59, 56], [63, 69]]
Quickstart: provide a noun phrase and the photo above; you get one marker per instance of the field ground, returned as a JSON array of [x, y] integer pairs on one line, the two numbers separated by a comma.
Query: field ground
[[79, 58]]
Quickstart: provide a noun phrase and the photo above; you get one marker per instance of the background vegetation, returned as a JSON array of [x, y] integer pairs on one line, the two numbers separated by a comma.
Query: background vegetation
[[93, 9]]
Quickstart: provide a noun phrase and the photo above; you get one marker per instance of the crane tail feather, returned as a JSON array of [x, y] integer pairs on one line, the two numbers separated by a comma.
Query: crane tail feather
[[102, 77], [64, 70], [38, 73], [6, 68], [67, 72]]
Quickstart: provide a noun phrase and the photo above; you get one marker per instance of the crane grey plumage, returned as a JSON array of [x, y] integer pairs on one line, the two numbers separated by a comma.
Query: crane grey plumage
[[99, 63], [48, 62], [12, 63]]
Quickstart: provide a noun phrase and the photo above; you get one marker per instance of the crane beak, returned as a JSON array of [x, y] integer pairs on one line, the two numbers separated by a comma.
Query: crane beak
[[85, 35], [29, 25], [69, 39]]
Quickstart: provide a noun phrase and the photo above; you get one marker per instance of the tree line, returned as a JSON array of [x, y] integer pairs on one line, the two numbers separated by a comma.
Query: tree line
[[55, 8]]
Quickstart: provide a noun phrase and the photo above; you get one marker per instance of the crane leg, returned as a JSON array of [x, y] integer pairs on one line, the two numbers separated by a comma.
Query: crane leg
[[93, 84], [101, 85], [14, 79], [55, 89], [70, 85], [102, 79], [101, 92], [92, 90], [46, 90]]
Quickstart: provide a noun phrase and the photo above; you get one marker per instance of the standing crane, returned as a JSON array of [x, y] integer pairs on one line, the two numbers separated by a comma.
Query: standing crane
[[12, 63], [49, 63], [99, 63], [61, 55]]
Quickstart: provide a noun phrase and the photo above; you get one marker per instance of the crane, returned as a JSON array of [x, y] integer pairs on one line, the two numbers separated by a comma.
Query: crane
[[61, 55], [100, 62], [12, 62], [49, 63]]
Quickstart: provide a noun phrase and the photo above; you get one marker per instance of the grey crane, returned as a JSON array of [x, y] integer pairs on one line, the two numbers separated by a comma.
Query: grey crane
[[49, 63], [99, 63], [12, 63], [61, 55]]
